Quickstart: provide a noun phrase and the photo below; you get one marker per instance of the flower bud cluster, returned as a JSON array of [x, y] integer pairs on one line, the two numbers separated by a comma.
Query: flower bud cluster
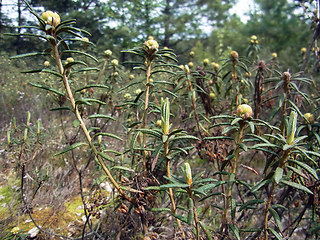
[[51, 18], [244, 111]]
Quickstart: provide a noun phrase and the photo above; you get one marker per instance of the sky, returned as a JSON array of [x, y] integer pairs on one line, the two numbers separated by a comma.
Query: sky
[[243, 7]]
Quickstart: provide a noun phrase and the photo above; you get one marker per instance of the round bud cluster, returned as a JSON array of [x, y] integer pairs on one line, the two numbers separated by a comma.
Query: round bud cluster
[[212, 95], [51, 18], [254, 39], [108, 53], [85, 39], [215, 66], [206, 62], [191, 53], [309, 118], [304, 50], [131, 76], [234, 55], [244, 111], [46, 64], [248, 74], [127, 96], [138, 91], [286, 76], [70, 60], [274, 55], [190, 64], [151, 45], [115, 62]]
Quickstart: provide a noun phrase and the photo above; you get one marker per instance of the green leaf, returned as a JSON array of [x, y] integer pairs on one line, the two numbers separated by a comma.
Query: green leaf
[[154, 133], [73, 146], [174, 185], [184, 137], [276, 217], [52, 72], [250, 203], [278, 175], [81, 53], [233, 208], [85, 70], [206, 230], [88, 100], [70, 64], [275, 233], [243, 147], [47, 88], [297, 186], [101, 116], [105, 156], [235, 230], [236, 120], [306, 167], [210, 186], [123, 168], [60, 109], [91, 86], [251, 126], [260, 184], [181, 218], [159, 209], [108, 135], [29, 55]]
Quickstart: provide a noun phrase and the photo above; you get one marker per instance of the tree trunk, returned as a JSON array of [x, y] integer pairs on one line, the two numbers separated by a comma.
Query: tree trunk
[[19, 39]]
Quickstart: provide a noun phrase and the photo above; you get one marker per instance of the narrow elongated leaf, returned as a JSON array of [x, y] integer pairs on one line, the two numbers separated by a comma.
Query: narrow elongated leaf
[[101, 116], [86, 100], [184, 137], [73, 146], [206, 231], [297, 186], [151, 132], [52, 72], [260, 184], [181, 218], [306, 167], [105, 156], [29, 55], [235, 230], [159, 209], [217, 137], [108, 135], [70, 64], [174, 185], [275, 233], [47, 88], [276, 217], [171, 93], [81, 53], [60, 109], [85, 70], [91, 86], [250, 203], [123, 168]]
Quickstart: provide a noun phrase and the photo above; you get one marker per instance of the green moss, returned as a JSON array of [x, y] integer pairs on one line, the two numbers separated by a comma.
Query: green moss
[[75, 206]]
